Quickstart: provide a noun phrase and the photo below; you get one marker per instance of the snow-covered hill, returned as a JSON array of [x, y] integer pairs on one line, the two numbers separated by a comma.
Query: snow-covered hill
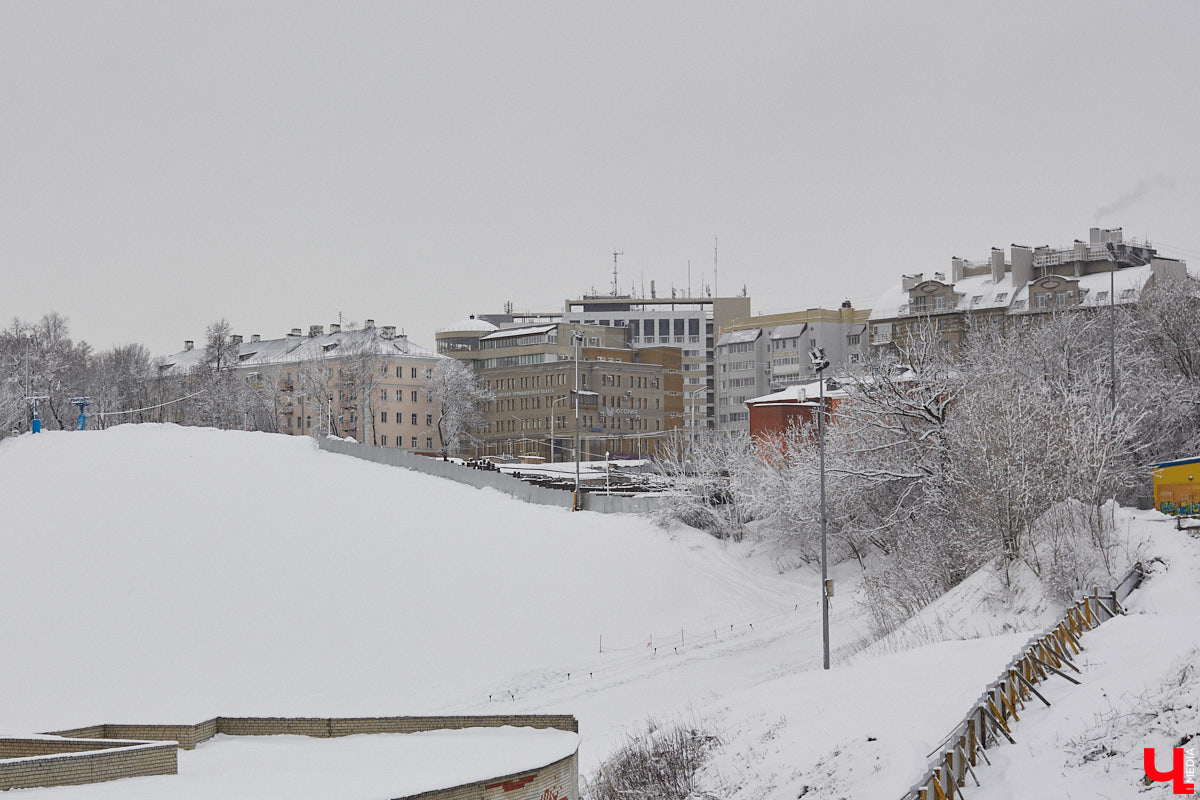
[[164, 574]]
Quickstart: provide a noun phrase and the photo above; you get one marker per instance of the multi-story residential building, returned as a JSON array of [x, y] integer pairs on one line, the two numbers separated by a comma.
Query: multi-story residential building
[[630, 399], [684, 323], [1106, 270], [368, 383], [759, 355]]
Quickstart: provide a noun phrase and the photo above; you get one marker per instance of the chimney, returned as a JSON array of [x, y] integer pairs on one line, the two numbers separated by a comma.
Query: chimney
[[1022, 266], [846, 304], [316, 330], [909, 281], [188, 345], [293, 339], [295, 332], [334, 327], [940, 277], [388, 332], [369, 324], [256, 337], [1094, 236], [236, 338], [957, 271], [997, 265]]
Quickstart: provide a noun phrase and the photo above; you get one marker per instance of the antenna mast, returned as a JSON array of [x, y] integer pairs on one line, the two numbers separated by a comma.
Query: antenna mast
[[715, 290], [616, 291]]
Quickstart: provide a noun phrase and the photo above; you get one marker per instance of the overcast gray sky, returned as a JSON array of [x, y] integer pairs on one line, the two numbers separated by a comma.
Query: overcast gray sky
[[165, 164]]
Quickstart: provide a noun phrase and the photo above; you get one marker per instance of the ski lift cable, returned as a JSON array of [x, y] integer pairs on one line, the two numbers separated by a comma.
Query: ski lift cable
[[150, 408]]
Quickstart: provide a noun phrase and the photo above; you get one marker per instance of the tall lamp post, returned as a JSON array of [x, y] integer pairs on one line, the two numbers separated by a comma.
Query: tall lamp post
[[577, 340], [819, 362]]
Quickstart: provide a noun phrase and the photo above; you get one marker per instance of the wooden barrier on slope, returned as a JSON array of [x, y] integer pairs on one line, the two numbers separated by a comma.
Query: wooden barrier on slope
[[992, 717]]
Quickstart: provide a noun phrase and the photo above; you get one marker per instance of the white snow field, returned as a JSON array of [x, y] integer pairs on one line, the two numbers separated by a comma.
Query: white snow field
[[156, 574]]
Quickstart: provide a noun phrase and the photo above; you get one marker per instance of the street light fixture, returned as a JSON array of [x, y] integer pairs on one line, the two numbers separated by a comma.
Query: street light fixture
[[553, 403], [819, 362], [576, 340]]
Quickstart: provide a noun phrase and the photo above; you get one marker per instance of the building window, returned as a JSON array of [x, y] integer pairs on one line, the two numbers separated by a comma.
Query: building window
[[852, 338], [1000, 298], [414, 374], [1041, 300], [1101, 297], [414, 394], [414, 422], [428, 373], [383, 395], [414, 443], [428, 442], [383, 441], [383, 416], [429, 419], [399, 374]]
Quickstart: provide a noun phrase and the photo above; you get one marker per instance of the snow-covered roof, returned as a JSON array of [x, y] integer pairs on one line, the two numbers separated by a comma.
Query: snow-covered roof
[[738, 337], [856, 330], [290, 349], [532, 330], [471, 324], [974, 293], [789, 331], [1128, 283], [800, 393]]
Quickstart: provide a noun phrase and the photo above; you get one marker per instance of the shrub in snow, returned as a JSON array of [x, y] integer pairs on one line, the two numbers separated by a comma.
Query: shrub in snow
[[657, 764]]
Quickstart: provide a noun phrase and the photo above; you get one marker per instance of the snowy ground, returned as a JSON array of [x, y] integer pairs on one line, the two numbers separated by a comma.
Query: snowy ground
[[160, 574]]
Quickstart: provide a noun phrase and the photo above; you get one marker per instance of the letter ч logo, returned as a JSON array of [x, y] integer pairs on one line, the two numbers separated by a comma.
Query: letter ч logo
[[1176, 775]]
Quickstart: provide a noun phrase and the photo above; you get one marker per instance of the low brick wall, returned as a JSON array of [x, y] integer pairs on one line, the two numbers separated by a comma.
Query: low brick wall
[[556, 781], [92, 755], [28, 763], [188, 736]]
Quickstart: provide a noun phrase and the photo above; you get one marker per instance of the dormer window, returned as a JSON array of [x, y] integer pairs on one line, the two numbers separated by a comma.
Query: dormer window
[[975, 300], [1000, 298]]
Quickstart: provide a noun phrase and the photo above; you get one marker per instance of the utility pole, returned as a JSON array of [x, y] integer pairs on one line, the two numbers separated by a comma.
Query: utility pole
[[819, 363]]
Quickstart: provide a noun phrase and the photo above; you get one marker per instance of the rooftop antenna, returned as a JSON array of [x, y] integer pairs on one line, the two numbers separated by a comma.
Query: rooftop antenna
[[643, 284], [714, 286], [616, 291], [689, 277]]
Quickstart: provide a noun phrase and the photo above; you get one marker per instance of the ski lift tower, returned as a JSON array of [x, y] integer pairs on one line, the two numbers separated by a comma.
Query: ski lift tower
[[35, 426], [82, 403]]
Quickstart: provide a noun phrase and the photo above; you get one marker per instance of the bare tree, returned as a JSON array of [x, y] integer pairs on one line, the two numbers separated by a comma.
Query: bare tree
[[460, 396]]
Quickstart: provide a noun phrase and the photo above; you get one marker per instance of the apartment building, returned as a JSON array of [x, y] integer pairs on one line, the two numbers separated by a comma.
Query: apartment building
[[367, 383], [760, 355], [630, 399], [684, 323], [1087, 276]]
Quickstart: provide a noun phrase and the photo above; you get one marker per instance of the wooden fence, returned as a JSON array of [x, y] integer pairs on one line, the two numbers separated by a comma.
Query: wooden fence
[[991, 719]]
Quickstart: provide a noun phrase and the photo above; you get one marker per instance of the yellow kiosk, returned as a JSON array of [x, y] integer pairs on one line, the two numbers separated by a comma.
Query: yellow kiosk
[[1177, 487]]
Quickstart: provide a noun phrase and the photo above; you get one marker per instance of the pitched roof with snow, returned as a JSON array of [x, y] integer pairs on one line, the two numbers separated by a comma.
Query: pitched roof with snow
[[532, 330], [294, 349], [788, 331], [737, 337]]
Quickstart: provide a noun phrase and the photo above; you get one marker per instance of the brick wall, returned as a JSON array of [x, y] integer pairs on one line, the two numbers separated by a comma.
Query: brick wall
[[557, 781], [93, 755], [188, 736], [73, 762]]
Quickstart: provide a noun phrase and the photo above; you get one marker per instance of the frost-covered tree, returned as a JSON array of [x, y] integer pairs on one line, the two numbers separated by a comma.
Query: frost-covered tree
[[460, 397]]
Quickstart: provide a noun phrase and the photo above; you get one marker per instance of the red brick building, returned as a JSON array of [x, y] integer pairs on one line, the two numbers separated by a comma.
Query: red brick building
[[771, 415]]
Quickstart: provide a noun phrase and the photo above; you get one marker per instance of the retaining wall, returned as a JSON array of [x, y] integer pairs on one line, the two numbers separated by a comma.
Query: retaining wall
[[485, 479]]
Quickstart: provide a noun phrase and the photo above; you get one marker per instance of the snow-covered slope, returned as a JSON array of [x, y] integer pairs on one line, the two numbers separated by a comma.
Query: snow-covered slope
[[164, 574], [156, 573]]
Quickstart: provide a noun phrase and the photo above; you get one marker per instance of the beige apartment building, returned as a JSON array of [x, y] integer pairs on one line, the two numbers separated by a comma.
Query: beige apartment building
[[367, 383], [759, 355], [629, 399], [1087, 276]]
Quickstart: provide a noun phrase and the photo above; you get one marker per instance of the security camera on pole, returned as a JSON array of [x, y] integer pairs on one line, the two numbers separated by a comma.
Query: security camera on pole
[[819, 362]]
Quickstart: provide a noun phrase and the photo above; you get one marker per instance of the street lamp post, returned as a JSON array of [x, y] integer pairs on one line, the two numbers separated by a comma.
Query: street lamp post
[[819, 363], [577, 340]]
